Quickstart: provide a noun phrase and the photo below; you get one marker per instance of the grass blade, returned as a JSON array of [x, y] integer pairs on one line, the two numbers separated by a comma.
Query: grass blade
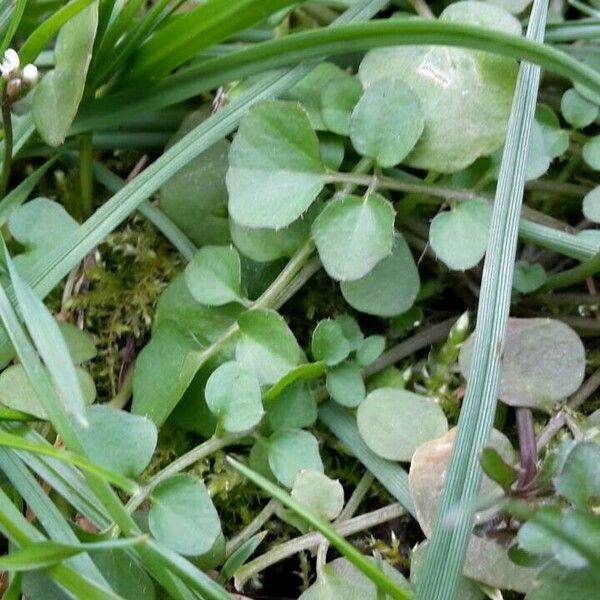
[[18, 11], [443, 566], [348, 550]]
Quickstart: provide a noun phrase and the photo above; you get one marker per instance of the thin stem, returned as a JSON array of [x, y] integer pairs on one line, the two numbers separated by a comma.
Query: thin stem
[[86, 175], [312, 540], [527, 446], [572, 276], [120, 399], [8, 143], [253, 527], [421, 8]]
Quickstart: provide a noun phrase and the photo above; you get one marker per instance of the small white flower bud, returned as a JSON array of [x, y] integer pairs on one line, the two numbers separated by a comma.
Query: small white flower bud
[[10, 63], [30, 75]]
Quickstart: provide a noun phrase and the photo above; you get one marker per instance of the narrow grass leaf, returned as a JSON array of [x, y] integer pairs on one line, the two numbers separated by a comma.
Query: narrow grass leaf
[[370, 569], [17, 14], [448, 546]]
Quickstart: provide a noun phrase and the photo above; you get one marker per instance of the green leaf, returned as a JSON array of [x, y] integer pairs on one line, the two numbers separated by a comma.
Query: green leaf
[[579, 480], [591, 205], [459, 236], [512, 6], [345, 385], [233, 396], [390, 288], [538, 157], [290, 451], [341, 579], [559, 583], [543, 361], [427, 472], [352, 331], [80, 343], [369, 568], [556, 140], [275, 171], [324, 497], [387, 122], [353, 234], [332, 150], [328, 342], [17, 392], [266, 345], [338, 98], [576, 110], [370, 350], [195, 198], [528, 277], [496, 469], [118, 440], [38, 225], [182, 515], [294, 408], [395, 422], [591, 153], [240, 556], [57, 96], [214, 276], [453, 86]]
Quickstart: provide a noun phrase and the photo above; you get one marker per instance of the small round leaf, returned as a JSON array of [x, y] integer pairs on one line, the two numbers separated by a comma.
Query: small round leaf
[[233, 395], [579, 480], [345, 385], [294, 408], [387, 122], [290, 451], [183, 517], [591, 205], [338, 99], [322, 496], [459, 236], [370, 350], [576, 110], [395, 422], [591, 153], [353, 234], [528, 277], [390, 288], [329, 343]]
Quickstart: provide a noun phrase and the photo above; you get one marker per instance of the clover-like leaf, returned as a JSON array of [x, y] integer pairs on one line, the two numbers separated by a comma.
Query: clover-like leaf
[[591, 153], [338, 99], [390, 288], [290, 451], [341, 579], [353, 234], [266, 345], [324, 497], [275, 171], [395, 422], [345, 385], [118, 440], [195, 197], [233, 395], [182, 515], [57, 97], [459, 236], [543, 361], [294, 408], [428, 471], [329, 343], [556, 140], [577, 110], [352, 331], [591, 205], [214, 275], [579, 479], [79, 342], [370, 350], [538, 157], [387, 122], [528, 277], [454, 86]]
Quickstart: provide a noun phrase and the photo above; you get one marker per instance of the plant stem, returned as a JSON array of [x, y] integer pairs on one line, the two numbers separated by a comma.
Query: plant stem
[[8, 143], [86, 175], [527, 447], [253, 527], [312, 540], [572, 276]]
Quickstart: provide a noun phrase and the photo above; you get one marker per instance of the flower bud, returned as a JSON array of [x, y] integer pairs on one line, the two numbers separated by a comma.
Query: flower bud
[[30, 75], [10, 63]]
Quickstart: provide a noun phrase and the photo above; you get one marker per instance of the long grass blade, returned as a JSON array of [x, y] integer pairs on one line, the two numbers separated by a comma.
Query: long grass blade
[[443, 566], [18, 11]]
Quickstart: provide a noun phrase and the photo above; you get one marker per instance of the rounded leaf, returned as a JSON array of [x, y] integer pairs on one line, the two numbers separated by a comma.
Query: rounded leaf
[[542, 362], [338, 99], [266, 345], [294, 408], [370, 350], [322, 496], [214, 275], [394, 422], [591, 205], [390, 288], [275, 170], [353, 234], [454, 86], [183, 517], [577, 110], [579, 480], [528, 277], [233, 395], [329, 343], [591, 153], [290, 451], [345, 385], [80, 343], [387, 122], [459, 236]]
